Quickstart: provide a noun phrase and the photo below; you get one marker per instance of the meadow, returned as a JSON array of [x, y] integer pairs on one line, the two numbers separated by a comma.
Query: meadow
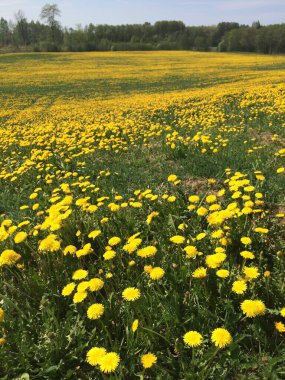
[[142, 214]]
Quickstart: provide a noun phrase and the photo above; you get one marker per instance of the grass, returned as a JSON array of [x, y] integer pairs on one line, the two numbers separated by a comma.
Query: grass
[[88, 142]]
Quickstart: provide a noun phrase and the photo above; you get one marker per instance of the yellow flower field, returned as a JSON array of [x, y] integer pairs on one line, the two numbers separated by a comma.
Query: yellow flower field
[[142, 216]]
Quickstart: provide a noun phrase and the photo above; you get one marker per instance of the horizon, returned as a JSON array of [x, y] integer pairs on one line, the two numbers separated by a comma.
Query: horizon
[[191, 12]]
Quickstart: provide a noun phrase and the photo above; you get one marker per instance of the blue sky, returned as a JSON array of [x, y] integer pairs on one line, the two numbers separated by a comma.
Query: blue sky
[[192, 12]]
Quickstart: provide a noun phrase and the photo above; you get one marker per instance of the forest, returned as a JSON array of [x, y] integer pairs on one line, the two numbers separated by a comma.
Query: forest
[[47, 34]]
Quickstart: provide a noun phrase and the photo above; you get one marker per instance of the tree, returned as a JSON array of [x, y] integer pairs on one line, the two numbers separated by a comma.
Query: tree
[[256, 24], [21, 28], [49, 13], [5, 33]]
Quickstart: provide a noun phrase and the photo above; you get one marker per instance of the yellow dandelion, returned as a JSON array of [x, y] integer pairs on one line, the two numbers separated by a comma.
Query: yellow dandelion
[[109, 255], [221, 337], [2, 341], [148, 251], [246, 240], [9, 257], [200, 272], [239, 287], [115, 240], [49, 244], [251, 273], [193, 338], [79, 297], [253, 308], [193, 198], [191, 251], [95, 284], [148, 360], [135, 325], [79, 274], [156, 273], [280, 327], [177, 239], [94, 355], [223, 273], [109, 362], [94, 234], [20, 237], [95, 311], [68, 289], [247, 255], [172, 178], [131, 294], [69, 250]]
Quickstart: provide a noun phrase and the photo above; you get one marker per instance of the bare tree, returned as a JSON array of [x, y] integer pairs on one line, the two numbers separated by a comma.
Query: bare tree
[[49, 13]]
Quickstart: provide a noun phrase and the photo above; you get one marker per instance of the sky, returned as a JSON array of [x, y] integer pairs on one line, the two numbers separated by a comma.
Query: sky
[[191, 12]]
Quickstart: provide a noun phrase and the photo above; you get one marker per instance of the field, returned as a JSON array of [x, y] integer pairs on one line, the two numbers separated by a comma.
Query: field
[[142, 214]]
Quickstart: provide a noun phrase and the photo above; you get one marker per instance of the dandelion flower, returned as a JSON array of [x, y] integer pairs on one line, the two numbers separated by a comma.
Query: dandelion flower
[[200, 272], [247, 255], [20, 236], [202, 211], [131, 294], [94, 234], [261, 230], [9, 257], [193, 339], [95, 311], [280, 327], [253, 308], [114, 241], [251, 273], [200, 236], [246, 240], [221, 337], [79, 297], [222, 273], [177, 239], [156, 273], [239, 287], [95, 284], [2, 341], [148, 360], [211, 199], [69, 250], [49, 244], [193, 198], [148, 251], [83, 286], [68, 289], [172, 178], [191, 251], [109, 255], [79, 274], [94, 355], [135, 325], [109, 362]]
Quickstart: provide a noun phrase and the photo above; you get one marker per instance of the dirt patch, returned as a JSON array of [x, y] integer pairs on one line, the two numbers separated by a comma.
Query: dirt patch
[[265, 138]]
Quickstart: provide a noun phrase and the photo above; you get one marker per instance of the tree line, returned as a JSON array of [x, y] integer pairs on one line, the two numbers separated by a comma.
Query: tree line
[[49, 35]]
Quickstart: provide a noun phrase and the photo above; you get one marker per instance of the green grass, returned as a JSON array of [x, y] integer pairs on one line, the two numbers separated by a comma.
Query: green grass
[[48, 335]]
